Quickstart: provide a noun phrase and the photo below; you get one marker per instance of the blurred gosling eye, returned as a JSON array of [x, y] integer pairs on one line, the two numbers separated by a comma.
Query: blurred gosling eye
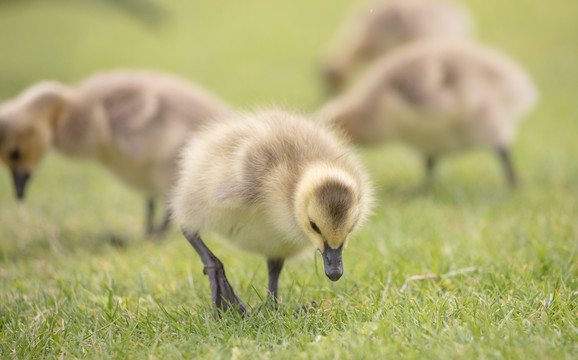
[[14, 155], [314, 227]]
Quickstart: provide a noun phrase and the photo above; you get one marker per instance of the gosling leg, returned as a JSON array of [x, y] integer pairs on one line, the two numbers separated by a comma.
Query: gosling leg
[[275, 266], [162, 229], [150, 217], [222, 294], [508, 166], [430, 163], [151, 230]]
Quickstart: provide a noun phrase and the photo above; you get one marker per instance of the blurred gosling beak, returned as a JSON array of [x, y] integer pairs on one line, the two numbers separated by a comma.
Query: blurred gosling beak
[[20, 180], [333, 262]]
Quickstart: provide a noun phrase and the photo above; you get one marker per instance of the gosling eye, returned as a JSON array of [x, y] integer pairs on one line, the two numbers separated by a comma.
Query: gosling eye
[[14, 155], [314, 226]]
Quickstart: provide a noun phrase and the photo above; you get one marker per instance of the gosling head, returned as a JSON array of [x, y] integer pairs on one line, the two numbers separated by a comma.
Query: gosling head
[[26, 131], [329, 205]]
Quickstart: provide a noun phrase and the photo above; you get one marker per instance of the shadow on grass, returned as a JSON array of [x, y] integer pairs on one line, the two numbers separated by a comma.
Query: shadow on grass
[[446, 193], [66, 241]]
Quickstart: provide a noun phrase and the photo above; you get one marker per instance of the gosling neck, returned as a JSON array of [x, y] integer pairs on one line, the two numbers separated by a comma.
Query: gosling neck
[[81, 130]]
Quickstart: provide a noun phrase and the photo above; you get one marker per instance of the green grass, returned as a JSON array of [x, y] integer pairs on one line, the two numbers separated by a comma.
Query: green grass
[[506, 262]]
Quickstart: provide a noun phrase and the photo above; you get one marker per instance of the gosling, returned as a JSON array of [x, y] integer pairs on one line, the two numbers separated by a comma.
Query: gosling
[[271, 183], [132, 122], [439, 96], [385, 25]]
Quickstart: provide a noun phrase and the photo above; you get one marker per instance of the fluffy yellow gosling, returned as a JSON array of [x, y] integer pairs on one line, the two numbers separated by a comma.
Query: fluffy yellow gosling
[[272, 183], [384, 25], [132, 122], [439, 96]]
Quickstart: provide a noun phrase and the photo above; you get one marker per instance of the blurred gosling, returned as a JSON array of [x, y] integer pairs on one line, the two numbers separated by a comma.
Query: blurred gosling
[[384, 25], [439, 96], [133, 122], [271, 183]]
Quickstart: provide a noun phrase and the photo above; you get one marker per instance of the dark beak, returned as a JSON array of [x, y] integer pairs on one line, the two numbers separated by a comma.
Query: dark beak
[[20, 180], [333, 262]]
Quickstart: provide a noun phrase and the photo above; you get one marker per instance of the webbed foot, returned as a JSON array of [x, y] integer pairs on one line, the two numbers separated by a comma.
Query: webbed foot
[[222, 294]]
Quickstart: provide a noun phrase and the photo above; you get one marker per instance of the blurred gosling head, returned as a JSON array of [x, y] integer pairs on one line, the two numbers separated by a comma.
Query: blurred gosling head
[[26, 129]]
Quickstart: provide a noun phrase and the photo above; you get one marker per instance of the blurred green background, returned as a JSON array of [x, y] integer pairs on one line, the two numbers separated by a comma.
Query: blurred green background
[[258, 53], [55, 248]]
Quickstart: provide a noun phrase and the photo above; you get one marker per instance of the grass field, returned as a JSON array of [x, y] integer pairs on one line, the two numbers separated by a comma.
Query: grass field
[[506, 262]]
